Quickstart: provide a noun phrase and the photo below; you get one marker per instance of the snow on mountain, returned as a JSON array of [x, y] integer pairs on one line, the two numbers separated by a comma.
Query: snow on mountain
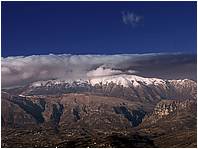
[[130, 87], [126, 80], [49, 83], [122, 79]]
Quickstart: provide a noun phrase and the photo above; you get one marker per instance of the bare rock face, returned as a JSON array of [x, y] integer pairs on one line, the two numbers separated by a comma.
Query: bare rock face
[[12, 115]]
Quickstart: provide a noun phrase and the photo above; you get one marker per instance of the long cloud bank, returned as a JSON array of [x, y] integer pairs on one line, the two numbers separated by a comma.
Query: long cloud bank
[[22, 70]]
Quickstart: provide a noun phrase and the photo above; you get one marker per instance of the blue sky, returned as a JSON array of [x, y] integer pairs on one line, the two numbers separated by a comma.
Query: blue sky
[[31, 28]]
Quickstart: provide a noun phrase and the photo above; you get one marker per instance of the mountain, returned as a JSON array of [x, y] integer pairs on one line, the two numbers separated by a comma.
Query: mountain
[[172, 123], [128, 87], [110, 111]]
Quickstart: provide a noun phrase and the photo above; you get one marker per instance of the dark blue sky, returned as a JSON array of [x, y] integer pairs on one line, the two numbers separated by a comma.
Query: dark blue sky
[[97, 27]]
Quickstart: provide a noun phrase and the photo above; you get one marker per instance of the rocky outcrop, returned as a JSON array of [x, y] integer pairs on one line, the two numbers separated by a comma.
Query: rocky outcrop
[[170, 109], [172, 123], [166, 107]]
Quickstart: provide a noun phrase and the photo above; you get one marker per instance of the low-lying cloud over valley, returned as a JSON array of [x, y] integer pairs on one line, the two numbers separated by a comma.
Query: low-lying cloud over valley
[[22, 70]]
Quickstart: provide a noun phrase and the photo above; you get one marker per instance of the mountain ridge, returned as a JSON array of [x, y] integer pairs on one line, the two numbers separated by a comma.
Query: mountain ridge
[[122, 79], [101, 114]]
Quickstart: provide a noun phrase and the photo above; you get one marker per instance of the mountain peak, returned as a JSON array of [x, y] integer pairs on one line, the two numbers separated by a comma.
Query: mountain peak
[[122, 79], [126, 80]]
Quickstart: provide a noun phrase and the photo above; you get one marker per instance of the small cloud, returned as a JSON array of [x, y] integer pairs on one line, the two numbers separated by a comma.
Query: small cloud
[[131, 18], [101, 71], [132, 71]]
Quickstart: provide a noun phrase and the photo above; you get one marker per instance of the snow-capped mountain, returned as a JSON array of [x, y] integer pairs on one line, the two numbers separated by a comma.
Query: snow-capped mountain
[[126, 80], [122, 80], [129, 87], [49, 83], [104, 104]]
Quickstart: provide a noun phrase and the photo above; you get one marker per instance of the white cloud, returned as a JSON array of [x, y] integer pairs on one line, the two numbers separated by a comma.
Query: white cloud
[[132, 71], [102, 71], [22, 70], [131, 18]]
